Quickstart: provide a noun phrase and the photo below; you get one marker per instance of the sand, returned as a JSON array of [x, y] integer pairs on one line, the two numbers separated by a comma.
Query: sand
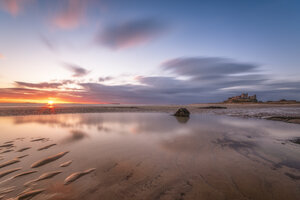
[[144, 152], [279, 112]]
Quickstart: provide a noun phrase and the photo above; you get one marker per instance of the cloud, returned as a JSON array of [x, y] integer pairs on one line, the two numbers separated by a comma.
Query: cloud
[[103, 79], [186, 84], [71, 14], [76, 70], [43, 85], [50, 44], [207, 67], [14, 7], [2, 56], [131, 33]]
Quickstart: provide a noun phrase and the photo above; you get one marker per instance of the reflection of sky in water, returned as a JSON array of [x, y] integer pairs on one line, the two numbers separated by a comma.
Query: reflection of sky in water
[[205, 144]]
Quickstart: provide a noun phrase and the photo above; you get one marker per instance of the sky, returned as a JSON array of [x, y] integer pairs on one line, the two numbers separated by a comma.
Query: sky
[[148, 52]]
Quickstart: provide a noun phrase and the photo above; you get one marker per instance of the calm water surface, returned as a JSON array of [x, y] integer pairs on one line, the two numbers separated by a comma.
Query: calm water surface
[[153, 156]]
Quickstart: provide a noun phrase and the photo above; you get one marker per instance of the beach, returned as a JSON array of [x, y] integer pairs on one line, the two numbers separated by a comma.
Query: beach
[[144, 152], [272, 111]]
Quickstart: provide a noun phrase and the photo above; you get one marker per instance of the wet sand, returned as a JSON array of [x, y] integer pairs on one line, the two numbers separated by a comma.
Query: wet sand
[[149, 156], [271, 111]]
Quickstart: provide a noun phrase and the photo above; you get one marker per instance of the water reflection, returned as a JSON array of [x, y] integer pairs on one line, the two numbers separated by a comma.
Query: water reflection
[[75, 136], [182, 120], [152, 156]]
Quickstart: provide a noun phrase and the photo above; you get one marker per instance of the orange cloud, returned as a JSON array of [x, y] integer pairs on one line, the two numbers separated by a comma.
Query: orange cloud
[[71, 15], [1, 56], [21, 95]]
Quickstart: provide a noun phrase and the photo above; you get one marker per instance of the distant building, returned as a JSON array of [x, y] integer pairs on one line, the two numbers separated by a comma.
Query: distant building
[[243, 98]]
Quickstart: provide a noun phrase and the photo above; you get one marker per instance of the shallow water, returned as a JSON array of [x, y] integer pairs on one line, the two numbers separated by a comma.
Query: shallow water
[[153, 156]]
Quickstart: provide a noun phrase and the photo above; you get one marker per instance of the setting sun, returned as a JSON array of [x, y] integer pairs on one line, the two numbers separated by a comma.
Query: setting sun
[[50, 102]]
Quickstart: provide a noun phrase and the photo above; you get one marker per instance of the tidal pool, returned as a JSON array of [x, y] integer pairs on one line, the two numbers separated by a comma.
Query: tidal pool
[[148, 156]]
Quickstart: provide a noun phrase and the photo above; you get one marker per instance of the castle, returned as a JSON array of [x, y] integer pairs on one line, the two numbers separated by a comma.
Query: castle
[[243, 98]]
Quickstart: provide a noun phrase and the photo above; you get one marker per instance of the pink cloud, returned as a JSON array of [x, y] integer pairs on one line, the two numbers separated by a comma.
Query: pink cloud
[[14, 7], [71, 15], [131, 33]]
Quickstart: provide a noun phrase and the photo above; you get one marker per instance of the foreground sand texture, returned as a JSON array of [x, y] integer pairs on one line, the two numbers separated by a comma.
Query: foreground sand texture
[[145, 155]]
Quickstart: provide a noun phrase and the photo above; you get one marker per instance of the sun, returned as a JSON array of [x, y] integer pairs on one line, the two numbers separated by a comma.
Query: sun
[[50, 102]]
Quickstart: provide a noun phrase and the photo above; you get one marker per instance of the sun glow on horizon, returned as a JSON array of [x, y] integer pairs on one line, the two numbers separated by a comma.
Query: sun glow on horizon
[[50, 102]]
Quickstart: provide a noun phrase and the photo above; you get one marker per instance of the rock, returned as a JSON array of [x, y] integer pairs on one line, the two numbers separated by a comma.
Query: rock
[[213, 107], [182, 112], [296, 140]]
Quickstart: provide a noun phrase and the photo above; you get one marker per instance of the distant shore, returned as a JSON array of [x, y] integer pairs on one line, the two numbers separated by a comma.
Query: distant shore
[[279, 112]]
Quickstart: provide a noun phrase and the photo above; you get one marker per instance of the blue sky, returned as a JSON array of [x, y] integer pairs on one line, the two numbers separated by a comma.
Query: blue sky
[[139, 51]]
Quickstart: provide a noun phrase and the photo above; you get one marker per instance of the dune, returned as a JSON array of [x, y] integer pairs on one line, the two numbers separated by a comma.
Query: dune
[[23, 156], [38, 139], [10, 162], [9, 171], [44, 176], [46, 147], [7, 190], [24, 174], [49, 159], [6, 145], [6, 151], [24, 149], [29, 194], [73, 177], [65, 164]]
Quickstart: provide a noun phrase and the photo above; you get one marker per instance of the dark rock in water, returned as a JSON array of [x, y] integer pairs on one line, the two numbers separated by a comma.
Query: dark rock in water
[[182, 112], [288, 119], [292, 176], [296, 140], [213, 107]]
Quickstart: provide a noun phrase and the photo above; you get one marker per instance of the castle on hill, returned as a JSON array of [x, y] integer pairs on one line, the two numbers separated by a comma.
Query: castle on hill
[[243, 98]]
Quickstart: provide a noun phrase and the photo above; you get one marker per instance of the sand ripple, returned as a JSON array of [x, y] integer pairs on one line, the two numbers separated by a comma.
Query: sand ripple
[[49, 159]]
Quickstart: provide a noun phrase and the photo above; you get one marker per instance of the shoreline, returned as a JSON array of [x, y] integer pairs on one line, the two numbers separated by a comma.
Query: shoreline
[[289, 113]]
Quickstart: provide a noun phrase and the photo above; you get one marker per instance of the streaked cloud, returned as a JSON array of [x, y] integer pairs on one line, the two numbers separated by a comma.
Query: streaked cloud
[[48, 42], [76, 70], [43, 85], [207, 67], [130, 33], [70, 15], [229, 78], [106, 78]]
